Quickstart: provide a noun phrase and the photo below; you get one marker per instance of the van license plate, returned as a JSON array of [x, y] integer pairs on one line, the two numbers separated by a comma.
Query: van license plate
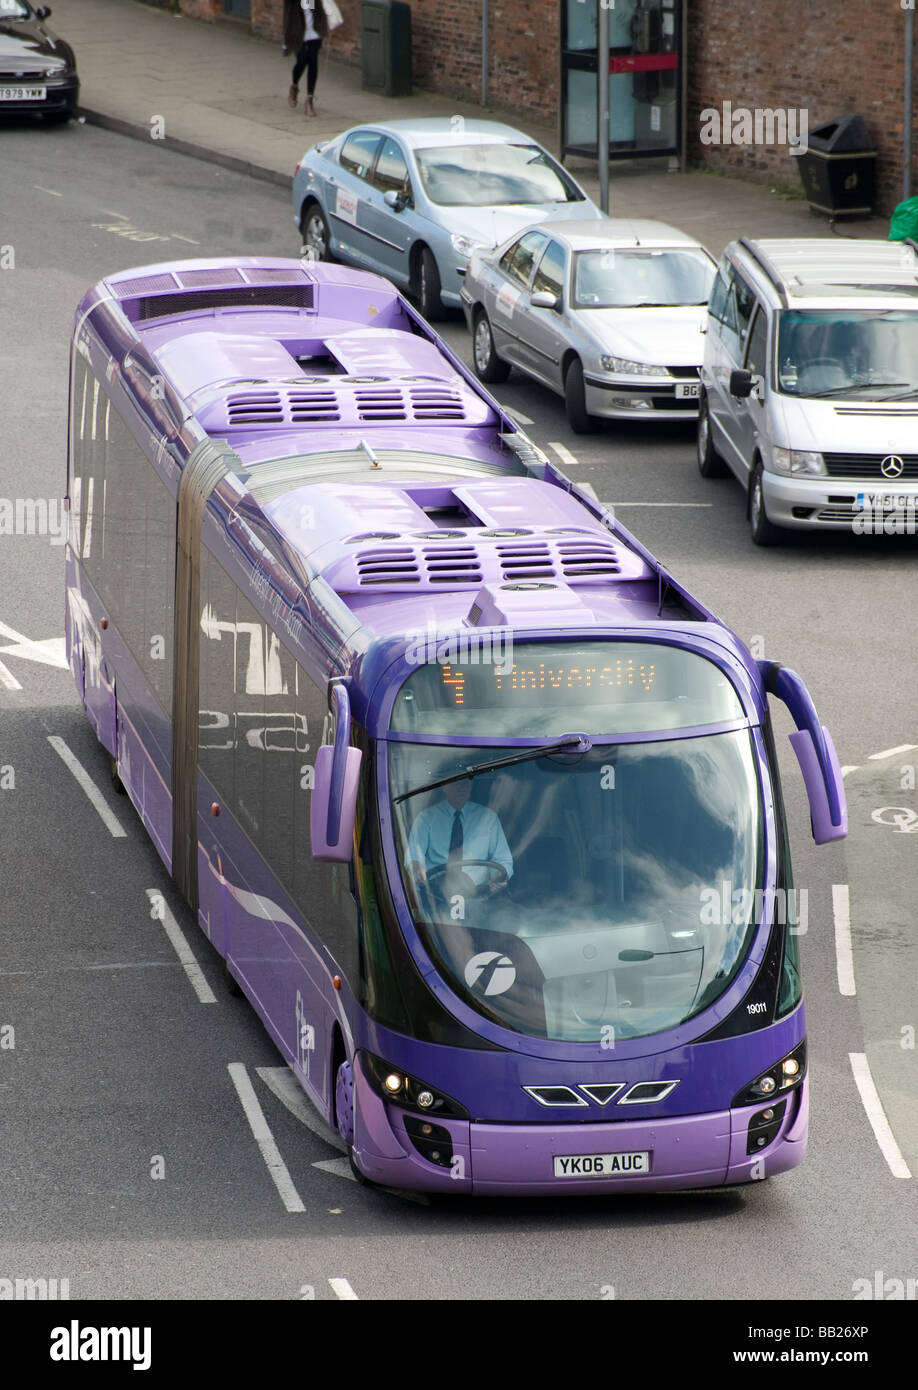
[[886, 501], [601, 1165]]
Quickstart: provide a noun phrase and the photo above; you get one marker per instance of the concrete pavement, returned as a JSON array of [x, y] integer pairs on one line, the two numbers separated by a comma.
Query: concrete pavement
[[216, 91]]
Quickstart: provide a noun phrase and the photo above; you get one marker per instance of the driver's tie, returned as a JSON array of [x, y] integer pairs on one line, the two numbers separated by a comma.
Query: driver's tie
[[455, 840]]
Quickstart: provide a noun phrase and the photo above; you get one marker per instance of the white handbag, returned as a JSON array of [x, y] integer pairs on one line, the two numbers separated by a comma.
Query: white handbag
[[332, 14]]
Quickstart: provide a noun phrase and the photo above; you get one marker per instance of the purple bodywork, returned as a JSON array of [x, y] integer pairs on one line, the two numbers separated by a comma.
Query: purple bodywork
[[351, 426]]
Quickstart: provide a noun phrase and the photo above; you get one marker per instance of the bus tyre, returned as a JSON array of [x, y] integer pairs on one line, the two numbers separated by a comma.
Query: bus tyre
[[358, 1176], [710, 463], [488, 366], [763, 532], [115, 776], [579, 419], [428, 286], [314, 233]]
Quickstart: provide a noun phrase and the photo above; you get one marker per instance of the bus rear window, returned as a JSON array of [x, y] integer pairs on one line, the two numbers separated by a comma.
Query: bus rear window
[[556, 688]]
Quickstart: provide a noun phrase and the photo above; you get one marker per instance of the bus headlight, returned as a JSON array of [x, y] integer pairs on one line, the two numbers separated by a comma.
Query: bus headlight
[[399, 1088], [782, 1077]]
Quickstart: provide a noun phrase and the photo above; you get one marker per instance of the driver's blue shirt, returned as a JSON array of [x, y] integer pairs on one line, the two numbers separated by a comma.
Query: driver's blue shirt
[[482, 838]]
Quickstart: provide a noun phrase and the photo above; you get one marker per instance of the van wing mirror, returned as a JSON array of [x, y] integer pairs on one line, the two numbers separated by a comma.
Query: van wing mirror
[[741, 383], [334, 794], [815, 752]]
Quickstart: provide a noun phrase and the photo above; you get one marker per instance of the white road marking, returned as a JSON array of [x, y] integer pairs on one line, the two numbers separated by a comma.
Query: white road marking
[[891, 752], [877, 1115], [852, 768], [518, 416], [7, 679], [53, 191], [565, 455], [264, 1138], [289, 1092], [341, 1167], [184, 952], [343, 1289], [108, 818], [844, 957], [50, 651], [111, 212], [658, 504], [189, 239]]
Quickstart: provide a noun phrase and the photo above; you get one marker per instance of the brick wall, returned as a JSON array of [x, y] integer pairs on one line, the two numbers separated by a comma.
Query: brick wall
[[823, 57]]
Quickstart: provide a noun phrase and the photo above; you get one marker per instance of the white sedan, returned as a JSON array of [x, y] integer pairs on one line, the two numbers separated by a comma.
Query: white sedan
[[607, 313]]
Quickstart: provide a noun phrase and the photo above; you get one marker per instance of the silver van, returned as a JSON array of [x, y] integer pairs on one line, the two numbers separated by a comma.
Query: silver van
[[809, 385]]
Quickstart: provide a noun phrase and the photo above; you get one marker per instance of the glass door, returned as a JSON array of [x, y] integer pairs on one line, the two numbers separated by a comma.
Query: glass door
[[645, 77]]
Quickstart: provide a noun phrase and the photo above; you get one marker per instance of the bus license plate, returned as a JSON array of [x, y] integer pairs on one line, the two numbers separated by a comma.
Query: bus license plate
[[886, 501], [23, 93], [601, 1165], [688, 390]]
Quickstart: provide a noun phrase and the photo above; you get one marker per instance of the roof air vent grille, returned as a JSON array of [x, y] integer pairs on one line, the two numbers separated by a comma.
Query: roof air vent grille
[[255, 407]]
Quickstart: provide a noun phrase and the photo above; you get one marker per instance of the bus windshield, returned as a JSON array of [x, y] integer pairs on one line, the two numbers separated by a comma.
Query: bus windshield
[[581, 895]]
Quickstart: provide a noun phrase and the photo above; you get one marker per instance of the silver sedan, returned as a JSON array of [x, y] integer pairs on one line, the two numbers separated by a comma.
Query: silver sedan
[[412, 199], [609, 314]]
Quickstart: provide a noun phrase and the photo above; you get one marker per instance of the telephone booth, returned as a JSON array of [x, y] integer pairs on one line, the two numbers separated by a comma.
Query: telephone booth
[[646, 66]]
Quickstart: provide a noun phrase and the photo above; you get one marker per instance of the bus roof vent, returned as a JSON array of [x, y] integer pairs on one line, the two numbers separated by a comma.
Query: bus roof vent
[[191, 279], [144, 284], [393, 566], [255, 407]]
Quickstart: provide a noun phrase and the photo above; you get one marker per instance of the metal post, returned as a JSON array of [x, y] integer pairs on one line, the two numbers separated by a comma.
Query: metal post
[[484, 52], [602, 103], [909, 104]]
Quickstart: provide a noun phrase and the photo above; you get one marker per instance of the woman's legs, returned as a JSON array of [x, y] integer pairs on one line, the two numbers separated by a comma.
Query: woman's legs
[[312, 73]]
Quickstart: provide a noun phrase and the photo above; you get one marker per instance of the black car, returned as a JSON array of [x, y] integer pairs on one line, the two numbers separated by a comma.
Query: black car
[[37, 70]]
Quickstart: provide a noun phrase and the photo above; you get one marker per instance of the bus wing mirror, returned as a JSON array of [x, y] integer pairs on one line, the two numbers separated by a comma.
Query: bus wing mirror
[[812, 743], [334, 794]]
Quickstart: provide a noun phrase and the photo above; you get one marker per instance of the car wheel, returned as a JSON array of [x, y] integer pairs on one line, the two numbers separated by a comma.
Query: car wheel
[[315, 234], [762, 530], [488, 366], [710, 463], [428, 286], [579, 419]]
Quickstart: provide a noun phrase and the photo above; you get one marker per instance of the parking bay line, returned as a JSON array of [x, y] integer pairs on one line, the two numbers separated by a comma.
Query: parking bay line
[[891, 752], [263, 1137], [108, 818], [187, 958], [613, 505], [564, 454], [844, 956], [872, 1104], [7, 679], [343, 1289]]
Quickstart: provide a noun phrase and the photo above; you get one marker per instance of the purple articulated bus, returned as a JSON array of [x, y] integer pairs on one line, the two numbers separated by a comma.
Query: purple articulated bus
[[480, 807]]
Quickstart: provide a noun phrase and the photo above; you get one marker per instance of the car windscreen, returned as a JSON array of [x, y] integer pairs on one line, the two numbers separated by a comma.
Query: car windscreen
[[582, 896], [626, 279], [493, 176], [14, 9], [866, 353]]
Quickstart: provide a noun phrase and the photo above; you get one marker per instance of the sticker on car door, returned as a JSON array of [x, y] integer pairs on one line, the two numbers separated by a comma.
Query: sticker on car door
[[346, 206], [508, 297]]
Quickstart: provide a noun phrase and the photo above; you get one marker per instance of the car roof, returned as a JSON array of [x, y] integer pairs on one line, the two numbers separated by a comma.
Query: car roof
[[818, 270], [622, 232], [437, 130]]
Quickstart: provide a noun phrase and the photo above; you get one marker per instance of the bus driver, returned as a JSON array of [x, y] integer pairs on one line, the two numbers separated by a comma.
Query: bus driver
[[449, 834]]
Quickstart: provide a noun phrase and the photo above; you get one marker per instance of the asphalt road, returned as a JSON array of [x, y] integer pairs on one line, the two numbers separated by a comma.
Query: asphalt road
[[126, 1161]]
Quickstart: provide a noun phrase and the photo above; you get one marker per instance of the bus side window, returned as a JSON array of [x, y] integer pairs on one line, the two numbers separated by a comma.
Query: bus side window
[[278, 739], [249, 690]]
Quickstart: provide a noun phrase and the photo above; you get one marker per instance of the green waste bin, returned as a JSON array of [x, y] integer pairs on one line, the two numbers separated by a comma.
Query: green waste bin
[[903, 224], [838, 167], [385, 43]]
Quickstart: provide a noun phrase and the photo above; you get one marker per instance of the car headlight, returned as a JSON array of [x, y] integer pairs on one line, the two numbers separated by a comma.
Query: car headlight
[[465, 245], [624, 364], [53, 72], [796, 461]]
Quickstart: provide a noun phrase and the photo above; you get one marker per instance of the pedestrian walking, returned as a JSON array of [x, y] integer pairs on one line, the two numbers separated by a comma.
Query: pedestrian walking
[[317, 17]]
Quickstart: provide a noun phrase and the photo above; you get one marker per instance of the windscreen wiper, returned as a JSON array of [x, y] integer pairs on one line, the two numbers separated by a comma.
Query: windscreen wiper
[[523, 756]]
